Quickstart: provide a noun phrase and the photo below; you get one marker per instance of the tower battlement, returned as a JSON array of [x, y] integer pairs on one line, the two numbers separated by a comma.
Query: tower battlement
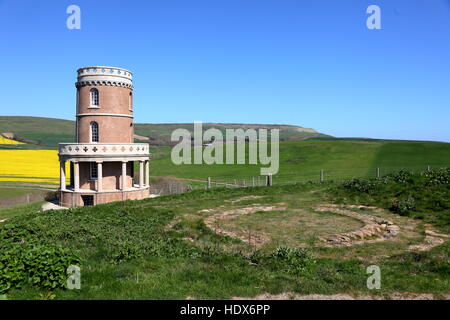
[[103, 75]]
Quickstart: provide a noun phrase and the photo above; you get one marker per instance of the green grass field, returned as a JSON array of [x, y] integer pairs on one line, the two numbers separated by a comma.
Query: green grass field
[[303, 160], [161, 248]]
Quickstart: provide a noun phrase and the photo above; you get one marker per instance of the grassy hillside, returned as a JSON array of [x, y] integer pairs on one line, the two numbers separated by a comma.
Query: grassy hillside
[[40, 131], [303, 160], [48, 132], [299, 160], [161, 133], [165, 248]]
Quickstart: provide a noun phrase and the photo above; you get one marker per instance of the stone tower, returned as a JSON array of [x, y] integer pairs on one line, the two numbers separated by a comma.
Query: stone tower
[[102, 161]]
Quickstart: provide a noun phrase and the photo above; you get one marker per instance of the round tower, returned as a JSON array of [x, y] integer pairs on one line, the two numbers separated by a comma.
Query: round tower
[[104, 158], [105, 98]]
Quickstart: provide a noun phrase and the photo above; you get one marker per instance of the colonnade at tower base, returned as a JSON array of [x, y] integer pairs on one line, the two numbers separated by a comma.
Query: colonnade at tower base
[[70, 199]]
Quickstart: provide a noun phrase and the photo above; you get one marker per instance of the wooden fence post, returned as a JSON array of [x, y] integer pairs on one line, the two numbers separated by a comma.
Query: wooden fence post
[[378, 173], [321, 175], [209, 183]]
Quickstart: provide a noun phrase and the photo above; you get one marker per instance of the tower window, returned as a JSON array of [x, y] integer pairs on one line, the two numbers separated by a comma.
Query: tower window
[[94, 132], [93, 171], [94, 98], [130, 101]]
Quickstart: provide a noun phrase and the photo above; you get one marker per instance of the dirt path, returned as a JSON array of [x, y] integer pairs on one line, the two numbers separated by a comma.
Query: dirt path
[[343, 296]]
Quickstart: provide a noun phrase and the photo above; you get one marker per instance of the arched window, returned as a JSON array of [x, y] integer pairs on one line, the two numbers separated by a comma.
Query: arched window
[[94, 132], [94, 98]]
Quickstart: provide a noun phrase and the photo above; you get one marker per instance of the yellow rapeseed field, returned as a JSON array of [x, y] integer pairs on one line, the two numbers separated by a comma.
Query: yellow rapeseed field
[[4, 140], [40, 166]]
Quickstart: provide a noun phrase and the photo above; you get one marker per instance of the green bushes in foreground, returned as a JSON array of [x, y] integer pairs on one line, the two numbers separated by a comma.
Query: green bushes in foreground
[[424, 195], [40, 266]]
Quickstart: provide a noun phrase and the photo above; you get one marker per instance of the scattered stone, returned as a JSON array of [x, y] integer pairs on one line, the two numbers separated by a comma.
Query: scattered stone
[[373, 226], [435, 234]]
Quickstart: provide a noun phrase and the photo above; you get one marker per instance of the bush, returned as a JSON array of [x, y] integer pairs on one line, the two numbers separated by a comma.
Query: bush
[[361, 185], [402, 176], [403, 206], [40, 266], [437, 176]]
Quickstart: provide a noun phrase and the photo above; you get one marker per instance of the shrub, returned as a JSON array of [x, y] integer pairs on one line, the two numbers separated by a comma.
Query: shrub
[[40, 266], [437, 176], [361, 185], [403, 206], [401, 176]]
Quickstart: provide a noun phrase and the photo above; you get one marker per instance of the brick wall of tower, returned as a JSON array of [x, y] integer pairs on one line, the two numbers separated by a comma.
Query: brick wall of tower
[[113, 100]]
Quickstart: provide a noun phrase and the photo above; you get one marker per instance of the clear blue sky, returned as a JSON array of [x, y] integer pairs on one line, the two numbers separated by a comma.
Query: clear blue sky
[[309, 63]]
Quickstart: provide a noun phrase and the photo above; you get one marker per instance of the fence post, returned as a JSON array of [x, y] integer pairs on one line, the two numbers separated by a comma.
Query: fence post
[[321, 175], [253, 181], [428, 168], [269, 180], [378, 173], [209, 182], [245, 183]]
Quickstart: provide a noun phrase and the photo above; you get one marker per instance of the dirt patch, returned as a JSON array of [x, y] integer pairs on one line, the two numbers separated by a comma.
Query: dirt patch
[[255, 239], [142, 138], [244, 198], [432, 239], [8, 135], [339, 296], [374, 229]]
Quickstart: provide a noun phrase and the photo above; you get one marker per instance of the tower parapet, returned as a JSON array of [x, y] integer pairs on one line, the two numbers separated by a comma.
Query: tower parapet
[[102, 75]]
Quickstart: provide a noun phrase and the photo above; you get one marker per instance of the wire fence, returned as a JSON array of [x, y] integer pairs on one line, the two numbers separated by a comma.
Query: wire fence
[[312, 176]]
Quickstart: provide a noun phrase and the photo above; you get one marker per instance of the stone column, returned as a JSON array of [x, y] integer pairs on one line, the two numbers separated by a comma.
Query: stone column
[[62, 175], [99, 176], [141, 173], [147, 173], [124, 175], [76, 173]]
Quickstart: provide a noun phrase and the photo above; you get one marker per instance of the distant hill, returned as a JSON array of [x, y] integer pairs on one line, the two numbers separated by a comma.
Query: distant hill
[[48, 132]]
